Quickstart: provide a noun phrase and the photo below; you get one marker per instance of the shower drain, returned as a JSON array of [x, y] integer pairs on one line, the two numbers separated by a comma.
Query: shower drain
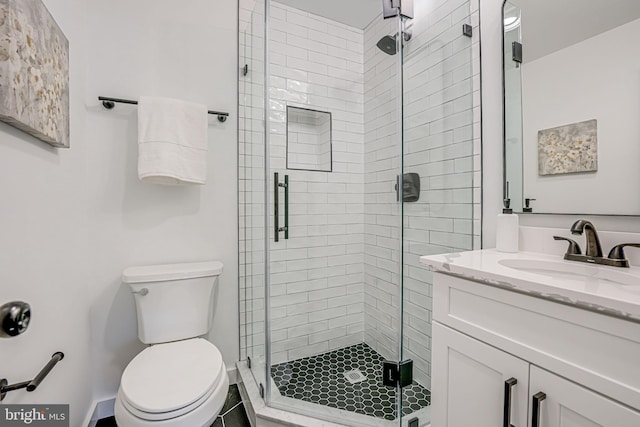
[[354, 376]]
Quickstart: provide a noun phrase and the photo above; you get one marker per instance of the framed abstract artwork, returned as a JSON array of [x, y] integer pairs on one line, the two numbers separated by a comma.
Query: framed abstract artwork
[[34, 71], [568, 149]]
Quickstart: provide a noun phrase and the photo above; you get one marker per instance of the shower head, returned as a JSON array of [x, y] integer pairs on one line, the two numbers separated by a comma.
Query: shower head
[[387, 44]]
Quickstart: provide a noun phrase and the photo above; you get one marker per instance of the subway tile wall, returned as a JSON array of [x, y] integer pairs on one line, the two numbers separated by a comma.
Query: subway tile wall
[[336, 281], [317, 299]]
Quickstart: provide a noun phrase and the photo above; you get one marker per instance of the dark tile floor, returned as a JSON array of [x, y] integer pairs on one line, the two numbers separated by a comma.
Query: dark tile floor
[[231, 415], [320, 379]]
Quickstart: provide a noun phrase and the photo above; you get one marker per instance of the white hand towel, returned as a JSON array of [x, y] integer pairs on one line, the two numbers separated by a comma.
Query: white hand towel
[[172, 141]]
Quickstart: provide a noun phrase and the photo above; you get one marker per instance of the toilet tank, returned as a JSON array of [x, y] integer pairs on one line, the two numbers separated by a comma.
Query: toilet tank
[[173, 301]]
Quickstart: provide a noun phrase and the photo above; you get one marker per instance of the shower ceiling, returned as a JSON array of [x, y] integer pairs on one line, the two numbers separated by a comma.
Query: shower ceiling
[[355, 13]]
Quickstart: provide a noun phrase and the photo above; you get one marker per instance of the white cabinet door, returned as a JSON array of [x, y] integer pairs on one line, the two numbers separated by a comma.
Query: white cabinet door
[[468, 382], [567, 404]]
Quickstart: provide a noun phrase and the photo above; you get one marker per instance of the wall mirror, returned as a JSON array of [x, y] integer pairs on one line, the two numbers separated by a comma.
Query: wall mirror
[[308, 139], [572, 106]]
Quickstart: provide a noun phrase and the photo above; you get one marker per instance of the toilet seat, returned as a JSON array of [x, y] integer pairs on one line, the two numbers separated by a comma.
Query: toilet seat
[[169, 380]]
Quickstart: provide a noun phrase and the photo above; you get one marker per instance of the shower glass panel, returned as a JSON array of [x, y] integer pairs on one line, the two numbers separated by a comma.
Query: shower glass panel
[[438, 146], [251, 182], [330, 282]]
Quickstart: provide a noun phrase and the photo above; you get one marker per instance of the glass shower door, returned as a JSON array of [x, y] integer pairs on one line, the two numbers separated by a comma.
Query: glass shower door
[[334, 250]]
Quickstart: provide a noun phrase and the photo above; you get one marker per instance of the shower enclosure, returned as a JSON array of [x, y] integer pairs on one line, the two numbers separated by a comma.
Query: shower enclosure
[[359, 152]]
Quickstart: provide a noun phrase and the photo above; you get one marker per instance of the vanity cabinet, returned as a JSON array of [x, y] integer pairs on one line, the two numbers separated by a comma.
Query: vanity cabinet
[[471, 381], [568, 404], [549, 364]]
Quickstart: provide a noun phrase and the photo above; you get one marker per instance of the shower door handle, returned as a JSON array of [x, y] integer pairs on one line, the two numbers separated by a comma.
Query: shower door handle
[[276, 189], [276, 228], [286, 207]]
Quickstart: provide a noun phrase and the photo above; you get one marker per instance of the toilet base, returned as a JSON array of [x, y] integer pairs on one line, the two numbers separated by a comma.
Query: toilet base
[[202, 416]]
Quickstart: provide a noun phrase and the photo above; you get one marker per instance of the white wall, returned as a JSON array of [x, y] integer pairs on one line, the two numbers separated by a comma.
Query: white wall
[[44, 258], [600, 80], [74, 219], [491, 29], [163, 48]]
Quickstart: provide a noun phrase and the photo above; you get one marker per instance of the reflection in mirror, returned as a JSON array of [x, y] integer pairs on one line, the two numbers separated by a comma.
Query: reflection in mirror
[[512, 107], [572, 105], [308, 139]]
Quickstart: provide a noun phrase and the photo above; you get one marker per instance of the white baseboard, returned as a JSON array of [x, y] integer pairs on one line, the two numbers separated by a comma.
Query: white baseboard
[[102, 409], [233, 375]]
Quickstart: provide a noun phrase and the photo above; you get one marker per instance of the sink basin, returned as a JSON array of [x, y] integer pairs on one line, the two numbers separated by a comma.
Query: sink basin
[[574, 271]]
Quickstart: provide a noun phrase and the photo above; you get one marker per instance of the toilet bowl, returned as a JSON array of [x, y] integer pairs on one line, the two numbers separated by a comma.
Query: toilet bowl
[[180, 380], [183, 383]]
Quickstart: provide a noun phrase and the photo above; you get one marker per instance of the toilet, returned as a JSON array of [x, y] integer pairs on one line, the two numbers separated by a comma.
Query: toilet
[[180, 379]]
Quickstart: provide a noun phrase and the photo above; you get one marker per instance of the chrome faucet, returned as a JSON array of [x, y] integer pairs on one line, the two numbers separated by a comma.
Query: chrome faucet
[[593, 253]]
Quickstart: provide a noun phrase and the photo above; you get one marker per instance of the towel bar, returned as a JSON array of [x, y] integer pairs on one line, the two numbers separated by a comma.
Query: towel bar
[[109, 103]]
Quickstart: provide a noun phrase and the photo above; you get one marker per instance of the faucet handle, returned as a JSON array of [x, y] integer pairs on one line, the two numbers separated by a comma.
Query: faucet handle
[[573, 249], [617, 252]]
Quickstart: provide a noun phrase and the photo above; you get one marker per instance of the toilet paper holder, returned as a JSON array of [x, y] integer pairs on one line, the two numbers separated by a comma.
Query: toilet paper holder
[[14, 318], [33, 384]]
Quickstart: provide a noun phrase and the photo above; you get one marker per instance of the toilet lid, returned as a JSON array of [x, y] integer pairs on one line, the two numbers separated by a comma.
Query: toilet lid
[[167, 377]]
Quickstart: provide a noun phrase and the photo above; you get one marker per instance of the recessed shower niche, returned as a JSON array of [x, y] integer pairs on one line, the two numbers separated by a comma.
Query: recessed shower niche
[[308, 139]]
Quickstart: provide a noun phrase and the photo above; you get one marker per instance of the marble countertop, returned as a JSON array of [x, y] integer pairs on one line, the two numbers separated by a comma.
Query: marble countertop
[[590, 292]]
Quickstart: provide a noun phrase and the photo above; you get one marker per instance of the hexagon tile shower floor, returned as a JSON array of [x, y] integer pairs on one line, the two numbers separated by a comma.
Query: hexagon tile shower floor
[[321, 379]]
